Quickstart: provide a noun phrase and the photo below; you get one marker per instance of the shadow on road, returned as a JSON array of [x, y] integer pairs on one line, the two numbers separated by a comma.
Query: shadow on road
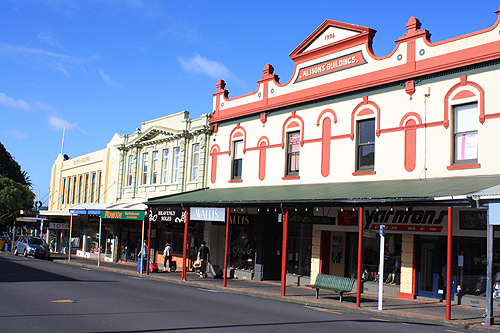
[[11, 271]]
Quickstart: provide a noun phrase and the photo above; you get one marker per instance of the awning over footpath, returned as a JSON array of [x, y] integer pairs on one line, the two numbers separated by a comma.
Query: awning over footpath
[[96, 208], [430, 191]]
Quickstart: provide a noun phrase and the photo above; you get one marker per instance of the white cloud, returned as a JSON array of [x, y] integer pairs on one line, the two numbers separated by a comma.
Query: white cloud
[[59, 123], [45, 37], [17, 134], [109, 81], [14, 103], [32, 56], [201, 65]]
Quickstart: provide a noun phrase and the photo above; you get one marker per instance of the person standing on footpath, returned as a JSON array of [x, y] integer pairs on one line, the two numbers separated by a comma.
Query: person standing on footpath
[[204, 257], [167, 255]]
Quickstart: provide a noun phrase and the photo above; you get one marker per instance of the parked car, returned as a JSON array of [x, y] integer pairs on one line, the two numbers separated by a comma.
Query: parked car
[[32, 246]]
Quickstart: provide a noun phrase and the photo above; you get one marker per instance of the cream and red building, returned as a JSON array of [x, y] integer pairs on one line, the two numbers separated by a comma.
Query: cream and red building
[[399, 140]]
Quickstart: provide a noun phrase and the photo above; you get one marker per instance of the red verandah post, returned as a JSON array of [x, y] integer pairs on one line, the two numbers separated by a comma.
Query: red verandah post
[[149, 245], [284, 250], [184, 251], [227, 244], [448, 265], [360, 247]]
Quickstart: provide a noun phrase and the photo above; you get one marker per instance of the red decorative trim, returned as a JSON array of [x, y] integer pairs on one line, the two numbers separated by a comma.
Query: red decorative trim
[[293, 124], [463, 83], [464, 94], [363, 173], [300, 123], [408, 115], [213, 172], [405, 295], [290, 177], [325, 147], [236, 181], [463, 166], [263, 118], [410, 87], [330, 111], [410, 156], [237, 132], [365, 112], [360, 108], [263, 143], [364, 36]]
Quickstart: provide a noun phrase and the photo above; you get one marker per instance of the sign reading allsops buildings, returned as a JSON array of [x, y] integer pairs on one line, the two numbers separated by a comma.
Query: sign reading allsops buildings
[[122, 215], [331, 66], [207, 214]]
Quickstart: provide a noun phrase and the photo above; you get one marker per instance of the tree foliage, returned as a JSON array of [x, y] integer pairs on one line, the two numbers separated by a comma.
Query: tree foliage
[[15, 194], [10, 168]]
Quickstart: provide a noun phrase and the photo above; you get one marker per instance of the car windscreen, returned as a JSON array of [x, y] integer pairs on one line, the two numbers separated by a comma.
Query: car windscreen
[[36, 241]]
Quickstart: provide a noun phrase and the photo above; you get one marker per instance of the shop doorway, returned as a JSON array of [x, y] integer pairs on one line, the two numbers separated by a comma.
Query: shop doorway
[[431, 273]]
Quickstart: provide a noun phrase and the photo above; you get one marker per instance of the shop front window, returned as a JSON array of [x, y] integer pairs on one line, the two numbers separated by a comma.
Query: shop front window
[[242, 248], [299, 248]]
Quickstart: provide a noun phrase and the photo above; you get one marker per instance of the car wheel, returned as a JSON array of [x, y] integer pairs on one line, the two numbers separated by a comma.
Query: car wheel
[[25, 253], [15, 252]]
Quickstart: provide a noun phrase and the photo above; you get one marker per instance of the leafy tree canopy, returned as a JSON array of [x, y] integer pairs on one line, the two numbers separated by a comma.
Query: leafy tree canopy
[[10, 168], [14, 189], [13, 197]]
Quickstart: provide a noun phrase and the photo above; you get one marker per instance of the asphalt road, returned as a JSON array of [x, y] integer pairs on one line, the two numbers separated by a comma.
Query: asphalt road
[[43, 296]]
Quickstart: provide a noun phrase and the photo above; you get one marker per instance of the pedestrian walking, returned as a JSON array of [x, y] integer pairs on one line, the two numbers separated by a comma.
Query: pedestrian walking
[[167, 255], [204, 258]]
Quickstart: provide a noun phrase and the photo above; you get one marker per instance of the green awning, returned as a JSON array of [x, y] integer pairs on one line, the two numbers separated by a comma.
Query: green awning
[[444, 191]]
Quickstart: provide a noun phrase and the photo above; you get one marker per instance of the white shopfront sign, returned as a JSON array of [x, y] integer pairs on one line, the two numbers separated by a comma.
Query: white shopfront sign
[[207, 214], [55, 225]]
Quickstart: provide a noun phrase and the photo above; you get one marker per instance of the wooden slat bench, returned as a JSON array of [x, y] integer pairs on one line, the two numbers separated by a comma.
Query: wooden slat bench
[[339, 284]]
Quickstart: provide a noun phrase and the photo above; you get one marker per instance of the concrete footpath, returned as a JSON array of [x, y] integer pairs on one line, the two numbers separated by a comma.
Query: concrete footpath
[[422, 311]]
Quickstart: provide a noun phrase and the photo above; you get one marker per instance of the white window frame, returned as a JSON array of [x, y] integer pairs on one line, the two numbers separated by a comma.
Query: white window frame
[[465, 133], [237, 162], [292, 154], [154, 167], [145, 161], [130, 170], [164, 166], [176, 161], [195, 161]]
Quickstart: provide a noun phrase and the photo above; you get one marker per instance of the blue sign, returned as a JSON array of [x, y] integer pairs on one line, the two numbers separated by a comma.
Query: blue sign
[[207, 214], [494, 213], [78, 211]]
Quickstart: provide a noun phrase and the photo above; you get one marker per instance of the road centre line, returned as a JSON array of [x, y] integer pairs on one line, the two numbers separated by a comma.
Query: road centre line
[[321, 309], [209, 290]]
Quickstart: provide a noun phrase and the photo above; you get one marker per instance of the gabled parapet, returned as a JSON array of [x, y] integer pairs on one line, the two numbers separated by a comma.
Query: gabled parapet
[[337, 58]]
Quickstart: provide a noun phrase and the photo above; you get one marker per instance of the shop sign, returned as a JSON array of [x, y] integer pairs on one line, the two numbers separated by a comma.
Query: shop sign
[[122, 215], [167, 215], [331, 66], [494, 213], [473, 220], [207, 214], [56, 225], [78, 211], [311, 219], [94, 219], [406, 219]]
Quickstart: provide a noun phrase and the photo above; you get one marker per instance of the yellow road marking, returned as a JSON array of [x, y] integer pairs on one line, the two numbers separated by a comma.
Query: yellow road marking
[[64, 301], [453, 331]]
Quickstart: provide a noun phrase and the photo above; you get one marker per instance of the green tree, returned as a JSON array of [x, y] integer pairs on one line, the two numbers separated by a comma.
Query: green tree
[[10, 168], [14, 189]]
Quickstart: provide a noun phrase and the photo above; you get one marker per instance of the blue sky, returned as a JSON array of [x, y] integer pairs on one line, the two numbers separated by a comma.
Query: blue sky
[[99, 67]]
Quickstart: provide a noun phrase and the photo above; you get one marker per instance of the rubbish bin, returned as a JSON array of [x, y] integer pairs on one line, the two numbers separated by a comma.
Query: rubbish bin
[[7, 246], [139, 262]]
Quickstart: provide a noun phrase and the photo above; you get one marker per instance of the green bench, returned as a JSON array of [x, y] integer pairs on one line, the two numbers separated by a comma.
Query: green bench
[[339, 284]]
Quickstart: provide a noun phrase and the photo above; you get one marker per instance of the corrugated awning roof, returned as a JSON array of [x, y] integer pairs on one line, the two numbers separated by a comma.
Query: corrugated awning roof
[[435, 190], [112, 206]]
